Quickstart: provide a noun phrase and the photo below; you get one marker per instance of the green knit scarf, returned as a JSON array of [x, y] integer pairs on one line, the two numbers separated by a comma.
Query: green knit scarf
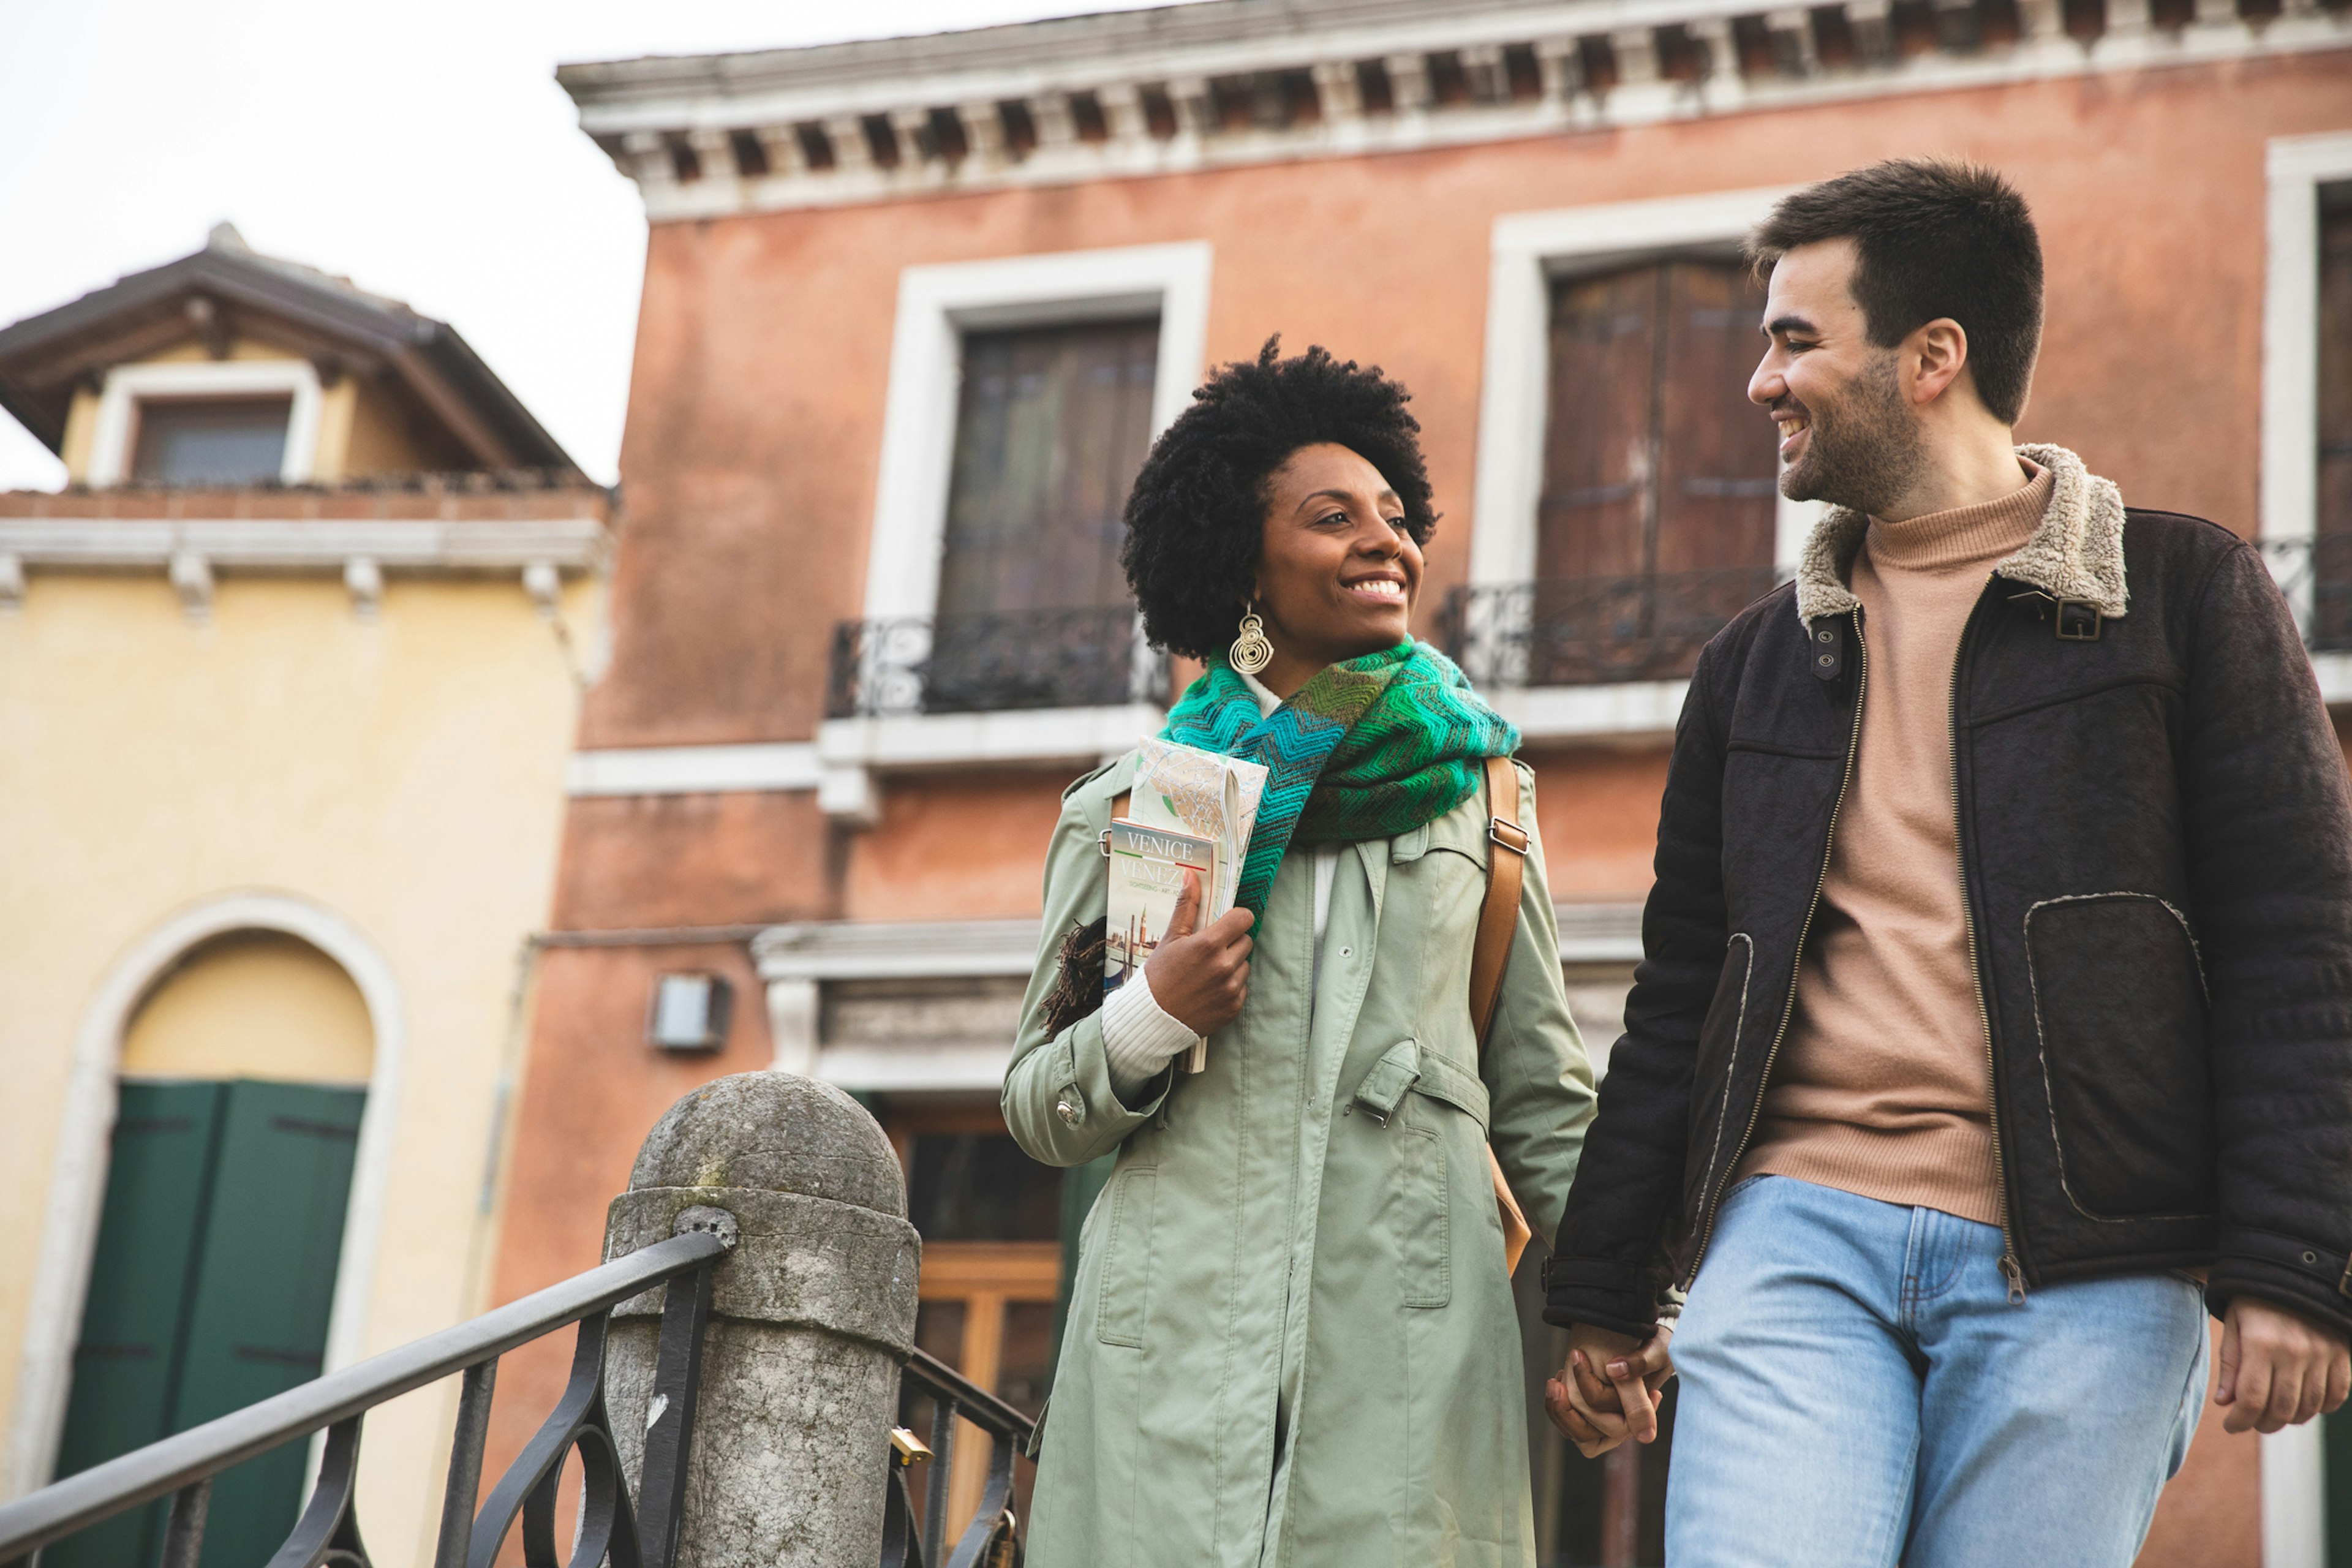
[[1367, 749]]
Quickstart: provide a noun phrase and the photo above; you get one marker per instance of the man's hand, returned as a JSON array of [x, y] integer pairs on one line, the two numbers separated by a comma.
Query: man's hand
[[2278, 1368], [1201, 978], [1608, 1391]]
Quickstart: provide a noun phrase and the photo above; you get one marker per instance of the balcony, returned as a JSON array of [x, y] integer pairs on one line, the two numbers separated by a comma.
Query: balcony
[[1015, 689], [1607, 658], [1590, 631], [1002, 662]]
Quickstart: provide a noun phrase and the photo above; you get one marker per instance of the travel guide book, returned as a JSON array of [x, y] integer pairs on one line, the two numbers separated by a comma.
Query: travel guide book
[[1188, 810]]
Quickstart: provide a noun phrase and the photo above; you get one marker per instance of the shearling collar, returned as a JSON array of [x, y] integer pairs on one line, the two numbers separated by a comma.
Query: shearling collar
[[2077, 552]]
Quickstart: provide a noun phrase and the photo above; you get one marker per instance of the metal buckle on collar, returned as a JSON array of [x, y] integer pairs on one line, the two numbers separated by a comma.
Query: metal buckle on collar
[[2077, 621], [1509, 835]]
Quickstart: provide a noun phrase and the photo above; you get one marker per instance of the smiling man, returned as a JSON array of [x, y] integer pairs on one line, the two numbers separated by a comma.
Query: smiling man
[[1995, 1022]]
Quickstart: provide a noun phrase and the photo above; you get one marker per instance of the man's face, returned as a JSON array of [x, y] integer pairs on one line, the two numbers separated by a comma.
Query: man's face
[[1847, 435]]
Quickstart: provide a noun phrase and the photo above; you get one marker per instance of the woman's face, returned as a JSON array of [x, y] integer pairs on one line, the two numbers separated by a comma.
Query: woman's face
[[1336, 572]]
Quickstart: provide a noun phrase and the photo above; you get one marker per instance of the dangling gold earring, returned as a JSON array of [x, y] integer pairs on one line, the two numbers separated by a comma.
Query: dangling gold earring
[[1250, 651]]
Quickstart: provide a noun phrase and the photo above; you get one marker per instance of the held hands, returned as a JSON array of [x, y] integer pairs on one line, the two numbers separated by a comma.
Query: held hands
[[1201, 978], [1608, 1391], [2277, 1368]]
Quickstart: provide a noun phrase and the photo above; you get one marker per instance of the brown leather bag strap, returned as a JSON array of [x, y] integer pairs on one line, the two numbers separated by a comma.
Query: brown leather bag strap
[[1498, 916], [1490, 953]]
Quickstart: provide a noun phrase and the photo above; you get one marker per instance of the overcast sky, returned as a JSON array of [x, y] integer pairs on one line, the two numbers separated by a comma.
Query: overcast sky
[[420, 148]]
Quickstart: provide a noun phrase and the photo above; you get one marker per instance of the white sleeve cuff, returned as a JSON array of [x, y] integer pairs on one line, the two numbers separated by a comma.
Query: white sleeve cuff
[[1139, 1035]]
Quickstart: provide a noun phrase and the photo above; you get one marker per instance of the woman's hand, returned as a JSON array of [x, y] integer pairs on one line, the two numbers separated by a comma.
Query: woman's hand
[[1596, 1412], [1201, 978]]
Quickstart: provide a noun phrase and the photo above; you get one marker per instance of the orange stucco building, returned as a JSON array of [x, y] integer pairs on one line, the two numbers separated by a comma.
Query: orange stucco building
[[913, 308]]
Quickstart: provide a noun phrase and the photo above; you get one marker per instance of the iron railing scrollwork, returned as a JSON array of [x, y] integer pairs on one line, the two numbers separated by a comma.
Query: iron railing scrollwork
[[1582, 631], [2316, 575], [1586, 631], [991, 1540], [612, 1528], [326, 1533], [1092, 657]]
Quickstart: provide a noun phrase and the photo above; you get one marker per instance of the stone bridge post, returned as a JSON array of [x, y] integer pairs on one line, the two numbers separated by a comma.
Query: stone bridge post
[[811, 1315]]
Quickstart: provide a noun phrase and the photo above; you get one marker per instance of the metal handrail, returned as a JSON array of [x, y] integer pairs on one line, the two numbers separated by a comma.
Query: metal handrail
[[991, 1538], [189, 1459]]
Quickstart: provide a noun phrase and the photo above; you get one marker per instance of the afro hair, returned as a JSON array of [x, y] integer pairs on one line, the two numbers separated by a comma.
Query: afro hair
[[1198, 510]]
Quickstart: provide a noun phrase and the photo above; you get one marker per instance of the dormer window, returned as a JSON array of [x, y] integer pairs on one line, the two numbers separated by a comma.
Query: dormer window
[[210, 440], [207, 422]]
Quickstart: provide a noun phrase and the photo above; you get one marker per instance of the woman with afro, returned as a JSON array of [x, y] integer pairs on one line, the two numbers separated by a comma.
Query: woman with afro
[[1291, 1337]]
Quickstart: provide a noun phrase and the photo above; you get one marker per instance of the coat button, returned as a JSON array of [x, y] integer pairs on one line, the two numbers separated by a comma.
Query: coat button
[[1070, 1108], [1825, 635]]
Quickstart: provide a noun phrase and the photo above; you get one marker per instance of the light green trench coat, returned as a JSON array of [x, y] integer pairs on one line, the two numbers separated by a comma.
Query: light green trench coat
[[1291, 1340]]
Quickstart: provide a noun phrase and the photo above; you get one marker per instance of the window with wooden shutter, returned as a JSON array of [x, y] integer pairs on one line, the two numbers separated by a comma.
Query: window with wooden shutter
[[1052, 424], [1656, 520], [2332, 560]]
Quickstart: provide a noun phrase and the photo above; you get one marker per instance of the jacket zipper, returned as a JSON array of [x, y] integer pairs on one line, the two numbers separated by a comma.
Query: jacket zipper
[[2010, 1270], [1788, 1007]]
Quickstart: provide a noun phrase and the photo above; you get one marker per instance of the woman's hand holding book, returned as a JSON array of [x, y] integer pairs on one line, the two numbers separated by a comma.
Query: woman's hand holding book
[[1201, 978]]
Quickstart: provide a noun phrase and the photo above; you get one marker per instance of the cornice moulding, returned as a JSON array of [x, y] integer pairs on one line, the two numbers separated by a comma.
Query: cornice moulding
[[570, 545], [646, 110]]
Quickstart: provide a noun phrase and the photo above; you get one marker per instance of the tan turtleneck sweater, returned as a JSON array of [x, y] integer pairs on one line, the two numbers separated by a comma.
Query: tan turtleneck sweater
[[1882, 1087]]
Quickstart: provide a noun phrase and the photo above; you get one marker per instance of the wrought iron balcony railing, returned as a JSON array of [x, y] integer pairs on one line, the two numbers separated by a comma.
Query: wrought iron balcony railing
[[1585, 631], [2316, 574], [642, 1535], [1092, 657]]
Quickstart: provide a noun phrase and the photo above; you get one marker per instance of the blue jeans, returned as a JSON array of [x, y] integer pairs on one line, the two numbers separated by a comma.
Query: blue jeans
[[1858, 1390]]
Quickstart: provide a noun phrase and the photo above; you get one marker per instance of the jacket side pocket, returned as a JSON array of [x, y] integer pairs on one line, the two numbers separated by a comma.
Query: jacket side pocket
[[1123, 1307], [2119, 1005], [1425, 1242], [1718, 1059]]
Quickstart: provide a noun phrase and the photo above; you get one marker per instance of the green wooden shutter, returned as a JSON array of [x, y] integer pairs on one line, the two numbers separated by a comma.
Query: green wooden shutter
[[126, 1366], [258, 1320]]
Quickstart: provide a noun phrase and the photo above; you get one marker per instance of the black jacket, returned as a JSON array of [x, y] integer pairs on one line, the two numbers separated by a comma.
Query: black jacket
[[2156, 858]]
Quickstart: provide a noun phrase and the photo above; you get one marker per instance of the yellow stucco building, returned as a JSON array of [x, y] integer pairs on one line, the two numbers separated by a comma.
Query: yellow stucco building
[[289, 679]]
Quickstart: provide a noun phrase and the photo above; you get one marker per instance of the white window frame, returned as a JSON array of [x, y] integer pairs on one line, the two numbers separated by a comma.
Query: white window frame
[[85, 1127], [127, 385], [2289, 506], [1528, 249], [937, 305]]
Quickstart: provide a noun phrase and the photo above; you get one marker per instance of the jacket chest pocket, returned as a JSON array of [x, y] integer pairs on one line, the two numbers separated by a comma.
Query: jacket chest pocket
[[1123, 1302], [1438, 872], [1428, 1104]]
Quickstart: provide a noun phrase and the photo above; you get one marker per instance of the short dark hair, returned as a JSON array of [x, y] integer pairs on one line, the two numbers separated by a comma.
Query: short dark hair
[[1197, 513], [1933, 237]]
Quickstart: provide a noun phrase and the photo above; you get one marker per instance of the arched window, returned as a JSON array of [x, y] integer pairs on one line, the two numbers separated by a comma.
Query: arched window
[[245, 1071]]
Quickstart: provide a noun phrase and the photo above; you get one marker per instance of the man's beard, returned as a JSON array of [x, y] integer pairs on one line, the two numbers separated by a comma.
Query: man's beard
[[1863, 451]]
